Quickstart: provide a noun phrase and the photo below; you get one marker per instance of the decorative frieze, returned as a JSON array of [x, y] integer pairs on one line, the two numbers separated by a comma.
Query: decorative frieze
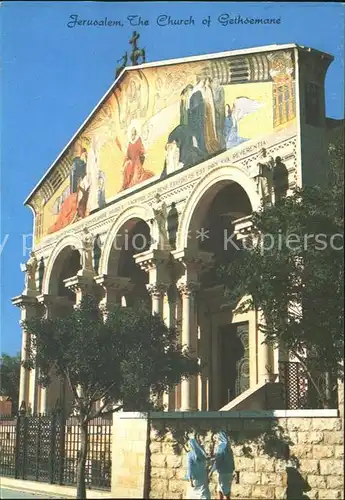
[[179, 187]]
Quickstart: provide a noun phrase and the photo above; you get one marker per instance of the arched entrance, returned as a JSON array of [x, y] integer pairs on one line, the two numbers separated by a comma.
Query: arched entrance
[[127, 239], [137, 240], [226, 342], [58, 300]]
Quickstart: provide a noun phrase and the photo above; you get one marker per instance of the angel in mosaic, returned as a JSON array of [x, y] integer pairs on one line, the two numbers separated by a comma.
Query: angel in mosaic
[[241, 107]]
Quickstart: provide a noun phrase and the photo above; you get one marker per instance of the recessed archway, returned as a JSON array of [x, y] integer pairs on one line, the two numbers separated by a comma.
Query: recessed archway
[[63, 263], [131, 234], [223, 196], [118, 234], [205, 192], [137, 240]]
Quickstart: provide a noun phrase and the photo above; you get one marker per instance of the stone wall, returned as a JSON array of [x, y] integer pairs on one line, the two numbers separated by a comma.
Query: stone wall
[[278, 454], [275, 458], [129, 456]]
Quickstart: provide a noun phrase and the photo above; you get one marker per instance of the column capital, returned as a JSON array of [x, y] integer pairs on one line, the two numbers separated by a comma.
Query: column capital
[[24, 301], [80, 283], [243, 227], [49, 300], [190, 259], [157, 289], [186, 287], [151, 259], [119, 284]]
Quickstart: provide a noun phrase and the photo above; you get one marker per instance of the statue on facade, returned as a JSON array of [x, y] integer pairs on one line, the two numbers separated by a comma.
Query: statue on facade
[[123, 64], [264, 177], [160, 212], [87, 250], [136, 53], [41, 268], [280, 180], [30, 273], [97, 252], [172, 223]]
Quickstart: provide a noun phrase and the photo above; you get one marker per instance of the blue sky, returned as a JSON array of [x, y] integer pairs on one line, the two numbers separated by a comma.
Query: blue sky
[[53, 76]]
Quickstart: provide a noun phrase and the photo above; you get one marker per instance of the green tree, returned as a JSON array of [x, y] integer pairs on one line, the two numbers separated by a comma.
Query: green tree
[[292, 269], [10, 374], [124, 356]]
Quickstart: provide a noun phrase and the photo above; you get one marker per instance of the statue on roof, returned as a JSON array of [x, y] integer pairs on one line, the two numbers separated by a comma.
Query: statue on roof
[[122, 66], [136, 53]]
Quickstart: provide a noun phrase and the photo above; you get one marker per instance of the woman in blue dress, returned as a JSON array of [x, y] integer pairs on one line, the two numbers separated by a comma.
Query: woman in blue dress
[[197, 471], [224, 465]]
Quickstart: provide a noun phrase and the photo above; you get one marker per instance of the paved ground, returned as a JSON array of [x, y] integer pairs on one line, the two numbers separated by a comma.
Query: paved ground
[[7, 493]]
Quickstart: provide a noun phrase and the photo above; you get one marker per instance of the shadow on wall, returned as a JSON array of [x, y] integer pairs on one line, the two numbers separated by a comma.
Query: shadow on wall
[[266, 436], [249, 438], [296, 485]]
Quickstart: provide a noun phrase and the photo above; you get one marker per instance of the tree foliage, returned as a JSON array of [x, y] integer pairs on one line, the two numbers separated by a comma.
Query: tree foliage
[[10, 374], [292, 269], [124, 355]]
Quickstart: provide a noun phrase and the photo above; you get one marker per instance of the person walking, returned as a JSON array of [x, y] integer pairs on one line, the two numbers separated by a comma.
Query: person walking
[[224, 465], [197, 472]]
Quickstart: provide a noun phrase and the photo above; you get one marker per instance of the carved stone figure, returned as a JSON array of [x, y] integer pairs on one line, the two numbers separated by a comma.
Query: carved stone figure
[[41, 268], [123, 64], [136, 52], [86, 251], [264, 179], [172, 223], [97, 252], [280, 180], [159, 209], [30, 273]]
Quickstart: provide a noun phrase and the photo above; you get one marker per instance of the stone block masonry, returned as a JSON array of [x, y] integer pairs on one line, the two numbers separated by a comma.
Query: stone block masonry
[[278, 454], [269, 461]]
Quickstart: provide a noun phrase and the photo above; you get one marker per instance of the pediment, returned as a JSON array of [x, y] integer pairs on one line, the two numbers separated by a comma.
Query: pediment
[[160, 117]]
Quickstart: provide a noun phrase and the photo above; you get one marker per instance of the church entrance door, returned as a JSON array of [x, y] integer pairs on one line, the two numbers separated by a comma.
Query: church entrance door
[[234, 360]]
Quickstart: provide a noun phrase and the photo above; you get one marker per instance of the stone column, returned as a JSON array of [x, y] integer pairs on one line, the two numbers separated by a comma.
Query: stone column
[[179, 326], [189, 396], [82, 284], [29, 308], [114, 287], [154, 262], [265, 355], [169, 398], [53, 306], [192, 264], [157, 292]]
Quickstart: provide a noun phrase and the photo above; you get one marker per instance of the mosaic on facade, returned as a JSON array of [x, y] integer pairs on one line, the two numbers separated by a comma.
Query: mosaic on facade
[[158, 120]]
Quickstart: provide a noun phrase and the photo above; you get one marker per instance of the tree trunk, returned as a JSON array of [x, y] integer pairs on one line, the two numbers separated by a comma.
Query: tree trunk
[[81, 489]]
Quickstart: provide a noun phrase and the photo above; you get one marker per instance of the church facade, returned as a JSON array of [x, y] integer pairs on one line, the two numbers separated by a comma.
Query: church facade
[[158, 185]]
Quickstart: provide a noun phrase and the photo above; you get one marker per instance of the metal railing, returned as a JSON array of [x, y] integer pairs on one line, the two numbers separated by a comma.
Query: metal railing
[[298, 391], [45, 448]]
